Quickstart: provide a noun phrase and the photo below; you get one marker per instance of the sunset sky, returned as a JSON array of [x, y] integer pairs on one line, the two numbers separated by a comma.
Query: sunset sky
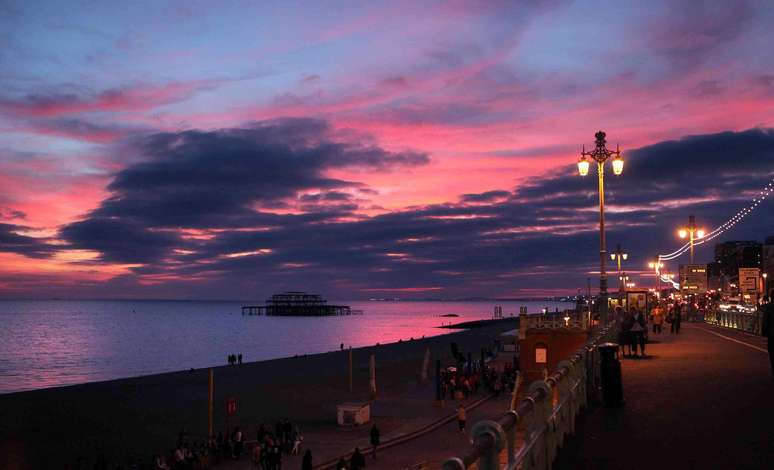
[[369, 149]]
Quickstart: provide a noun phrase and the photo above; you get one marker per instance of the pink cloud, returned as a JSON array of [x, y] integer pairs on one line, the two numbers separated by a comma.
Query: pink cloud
[[132, 98]]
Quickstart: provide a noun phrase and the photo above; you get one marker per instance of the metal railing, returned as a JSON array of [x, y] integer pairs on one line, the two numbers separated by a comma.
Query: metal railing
[[749, 322], [546, 415]]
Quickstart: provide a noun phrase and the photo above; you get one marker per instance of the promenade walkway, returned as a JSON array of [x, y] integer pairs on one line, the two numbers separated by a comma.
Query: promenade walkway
[[705, 399]]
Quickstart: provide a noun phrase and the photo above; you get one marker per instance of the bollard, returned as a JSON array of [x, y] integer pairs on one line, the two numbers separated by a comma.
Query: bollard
[[438, 381], [610, 371], [490, 460]]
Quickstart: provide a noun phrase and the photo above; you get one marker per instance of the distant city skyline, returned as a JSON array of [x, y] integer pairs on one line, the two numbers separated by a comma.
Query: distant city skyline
[[379, 149]]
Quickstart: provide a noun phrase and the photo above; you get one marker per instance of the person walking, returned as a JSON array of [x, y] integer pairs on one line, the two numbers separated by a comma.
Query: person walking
[[625, 335], [461, 417], [357, 461], [306, 463], [678, 318], [639, 328], [657, 315], [767, 329], [670, 318], [374, 440], [256, 455]]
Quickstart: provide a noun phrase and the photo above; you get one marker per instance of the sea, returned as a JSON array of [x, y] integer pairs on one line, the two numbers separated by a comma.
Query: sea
[[50, 343]]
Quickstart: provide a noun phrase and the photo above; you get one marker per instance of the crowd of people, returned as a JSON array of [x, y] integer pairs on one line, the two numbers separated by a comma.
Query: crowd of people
[[272, 444], [461, 382], [634, 325], [194, 455]]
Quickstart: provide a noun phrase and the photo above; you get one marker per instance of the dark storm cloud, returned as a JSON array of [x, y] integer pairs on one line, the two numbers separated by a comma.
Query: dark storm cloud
[[12, 241], [542, 234], [119, 241], [216, 179]]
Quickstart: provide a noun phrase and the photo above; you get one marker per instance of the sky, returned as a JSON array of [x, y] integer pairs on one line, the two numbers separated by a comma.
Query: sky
[[185, 150]]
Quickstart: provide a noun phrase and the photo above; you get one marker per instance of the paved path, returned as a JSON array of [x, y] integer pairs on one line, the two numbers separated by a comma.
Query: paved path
[[704, 400]]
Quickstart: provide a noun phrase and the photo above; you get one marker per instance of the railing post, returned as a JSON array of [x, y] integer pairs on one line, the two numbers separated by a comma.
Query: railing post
[[510, 439], [453, 464], [542, 415], [491, 459]]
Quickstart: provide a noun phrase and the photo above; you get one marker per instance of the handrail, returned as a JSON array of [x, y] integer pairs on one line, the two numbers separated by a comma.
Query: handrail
[[546, 424], [749, 322]]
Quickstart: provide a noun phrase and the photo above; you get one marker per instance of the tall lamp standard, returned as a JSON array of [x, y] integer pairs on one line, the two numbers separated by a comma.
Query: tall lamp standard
[[692, 232], [656, 266], [601, 154], [619, 255]]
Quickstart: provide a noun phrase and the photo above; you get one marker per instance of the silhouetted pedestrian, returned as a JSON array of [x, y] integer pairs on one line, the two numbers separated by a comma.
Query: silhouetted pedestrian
[[461, 417], [626, 337], [306, 463], [375, 435], [678, 319], [638, 331], [239, 358], [357, 462], [767, 328]]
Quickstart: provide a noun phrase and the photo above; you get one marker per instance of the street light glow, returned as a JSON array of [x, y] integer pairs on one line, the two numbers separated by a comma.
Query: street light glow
[[683, 233], [618, 165], [583, 166], [700, 233]]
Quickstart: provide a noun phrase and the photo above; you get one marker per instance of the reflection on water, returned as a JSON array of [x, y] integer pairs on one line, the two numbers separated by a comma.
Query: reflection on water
[[51, 343]]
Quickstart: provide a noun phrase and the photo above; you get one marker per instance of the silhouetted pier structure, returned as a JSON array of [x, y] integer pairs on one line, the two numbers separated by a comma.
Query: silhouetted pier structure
[[297, 304]]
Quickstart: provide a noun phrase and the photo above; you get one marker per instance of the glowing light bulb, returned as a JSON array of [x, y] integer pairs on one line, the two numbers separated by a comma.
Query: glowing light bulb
[[583, 166]]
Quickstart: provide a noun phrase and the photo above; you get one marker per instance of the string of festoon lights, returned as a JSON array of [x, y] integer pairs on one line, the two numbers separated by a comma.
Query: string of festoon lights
[[759, 198]]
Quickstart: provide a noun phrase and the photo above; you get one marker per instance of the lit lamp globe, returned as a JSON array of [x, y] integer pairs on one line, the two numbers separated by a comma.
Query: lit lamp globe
[[683, 233], [625, 255], [583, 166], [700, 234], [618, 165], [612, 256]]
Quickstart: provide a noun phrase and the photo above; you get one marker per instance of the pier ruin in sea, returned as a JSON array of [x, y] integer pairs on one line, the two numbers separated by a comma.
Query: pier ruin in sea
[[297, 304]]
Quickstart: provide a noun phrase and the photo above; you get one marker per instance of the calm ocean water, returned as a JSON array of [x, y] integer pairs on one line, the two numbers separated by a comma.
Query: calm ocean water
[[52, 343]]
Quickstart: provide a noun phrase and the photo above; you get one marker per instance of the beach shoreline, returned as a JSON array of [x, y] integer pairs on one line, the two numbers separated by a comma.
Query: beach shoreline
[[136, 417]]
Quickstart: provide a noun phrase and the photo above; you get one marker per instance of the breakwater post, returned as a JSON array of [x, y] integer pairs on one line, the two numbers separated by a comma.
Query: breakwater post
[[350, 368], [210, 390], [438, 381], [425, 366], [372, 381]]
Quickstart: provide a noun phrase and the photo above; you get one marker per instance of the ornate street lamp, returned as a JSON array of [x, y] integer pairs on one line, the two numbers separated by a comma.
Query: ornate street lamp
[[692, 232], [601, 154]]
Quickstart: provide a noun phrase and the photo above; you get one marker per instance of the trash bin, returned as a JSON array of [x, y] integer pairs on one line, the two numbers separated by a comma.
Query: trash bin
[[610, 372]]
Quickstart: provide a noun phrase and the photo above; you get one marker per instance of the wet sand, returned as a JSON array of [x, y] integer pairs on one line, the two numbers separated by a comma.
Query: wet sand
[[134, 418]]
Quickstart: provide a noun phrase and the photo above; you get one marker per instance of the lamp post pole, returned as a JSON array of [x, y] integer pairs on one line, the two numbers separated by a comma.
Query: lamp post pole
[[692, 232], [600, 155], [619, 255], [656, 266]]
